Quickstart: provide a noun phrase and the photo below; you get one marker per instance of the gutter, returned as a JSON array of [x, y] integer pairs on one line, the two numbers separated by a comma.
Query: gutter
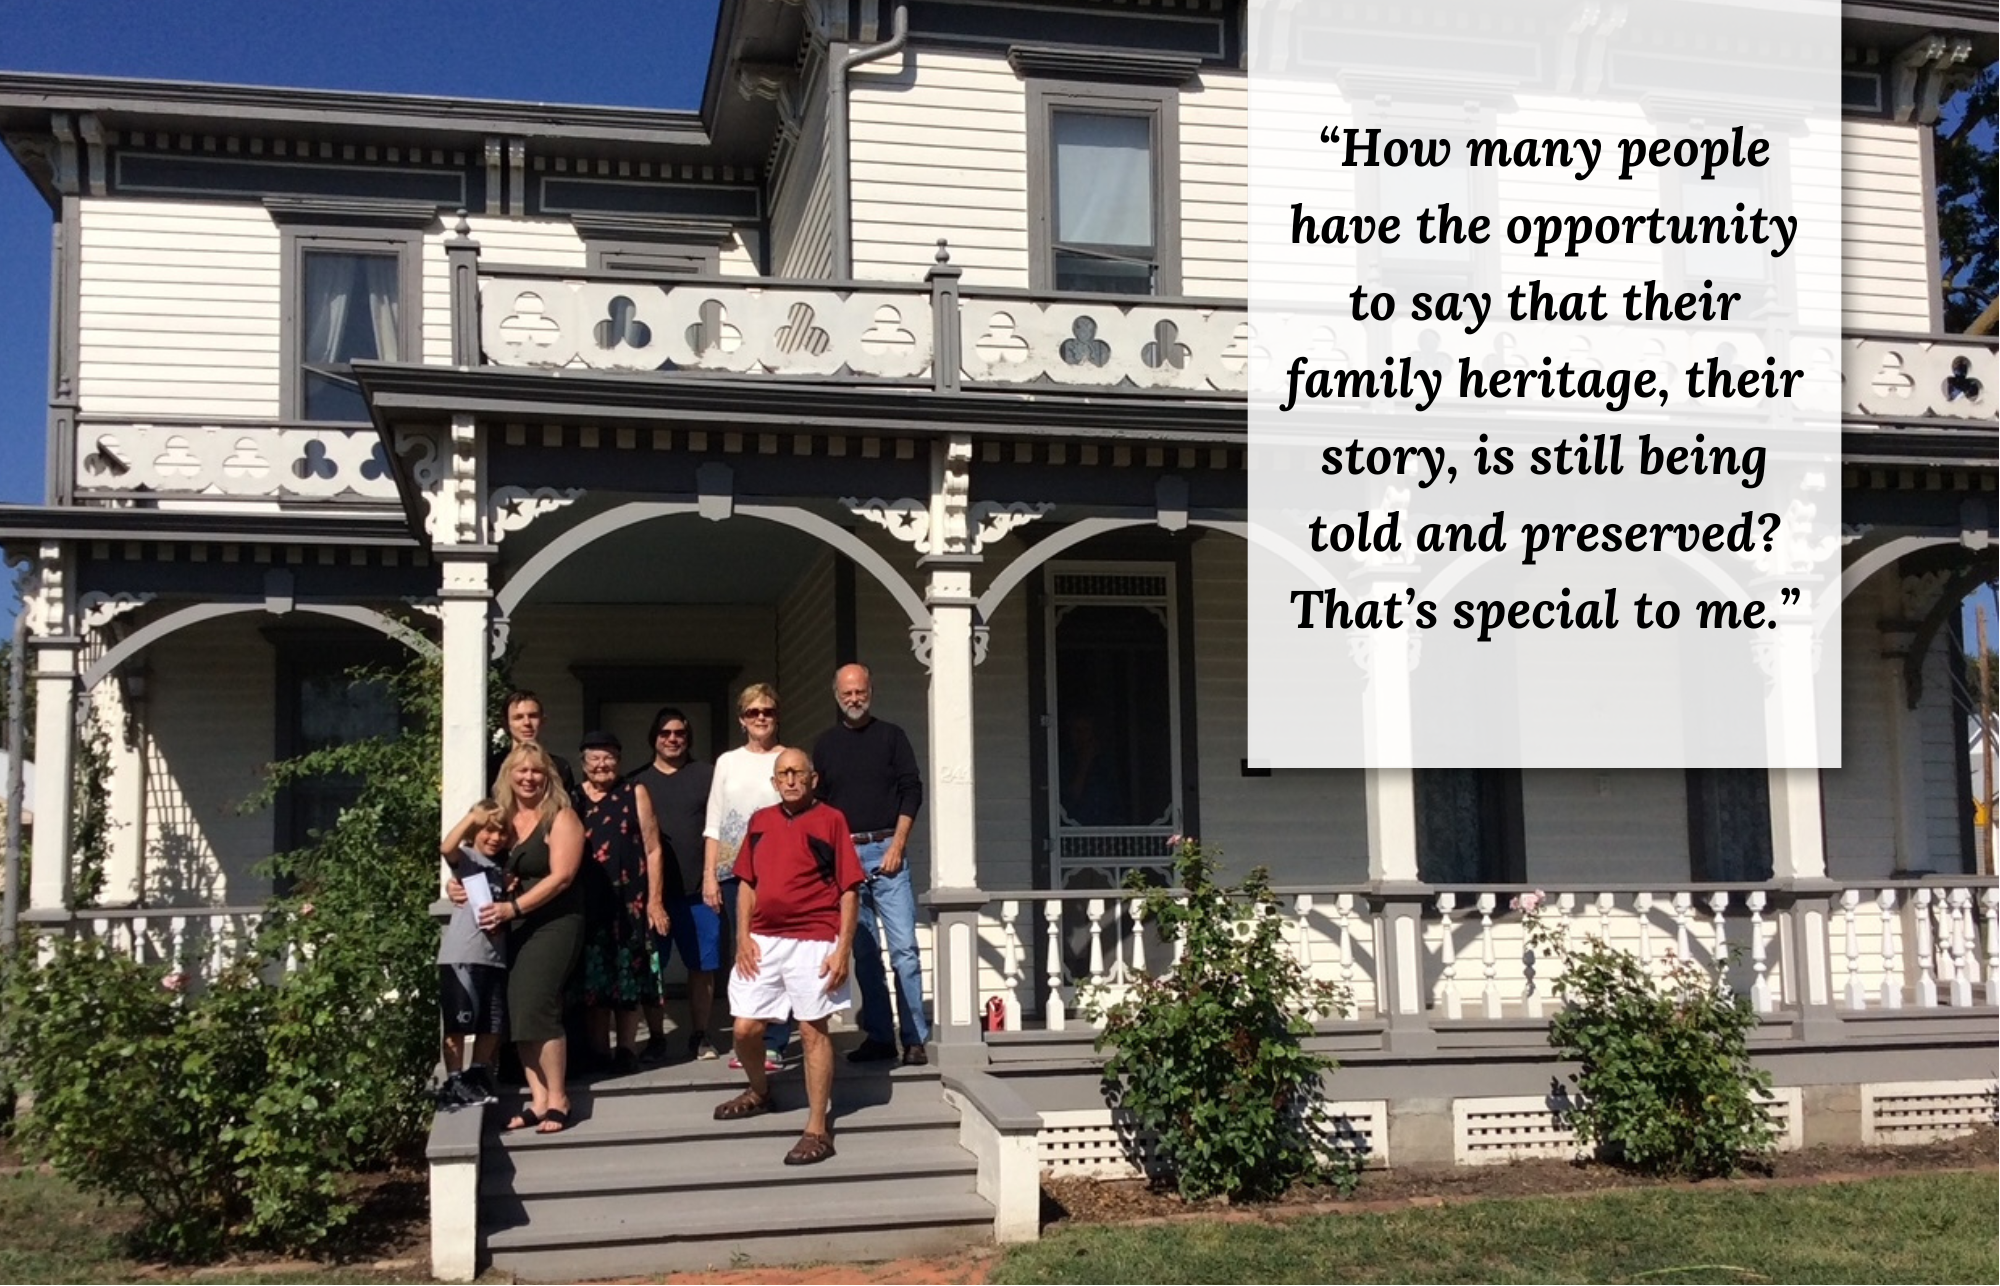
[[843, 193]]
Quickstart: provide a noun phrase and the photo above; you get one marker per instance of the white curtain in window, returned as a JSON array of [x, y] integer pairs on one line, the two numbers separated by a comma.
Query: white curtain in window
[[1104, 179], [336, 284]]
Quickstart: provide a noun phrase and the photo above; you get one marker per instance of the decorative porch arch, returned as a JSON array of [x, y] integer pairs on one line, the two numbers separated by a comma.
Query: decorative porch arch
[[1886, 554], [1077, 532], [633, 512], [153, 631]]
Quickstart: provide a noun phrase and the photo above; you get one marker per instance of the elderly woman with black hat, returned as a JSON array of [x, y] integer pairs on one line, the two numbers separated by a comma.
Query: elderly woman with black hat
[[622, 860]]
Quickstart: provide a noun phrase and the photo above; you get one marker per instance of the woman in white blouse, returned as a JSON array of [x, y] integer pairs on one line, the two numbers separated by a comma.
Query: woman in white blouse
[[742, 786]]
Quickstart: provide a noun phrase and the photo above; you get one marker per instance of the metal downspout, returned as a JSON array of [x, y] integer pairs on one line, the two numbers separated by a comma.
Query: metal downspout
[[843, 190]]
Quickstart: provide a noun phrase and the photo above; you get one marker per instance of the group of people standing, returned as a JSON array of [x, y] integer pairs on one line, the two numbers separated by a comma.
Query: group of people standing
[[592, 884]]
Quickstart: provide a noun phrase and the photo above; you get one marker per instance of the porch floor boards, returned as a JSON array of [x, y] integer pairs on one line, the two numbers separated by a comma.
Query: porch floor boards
[[646, 1181]]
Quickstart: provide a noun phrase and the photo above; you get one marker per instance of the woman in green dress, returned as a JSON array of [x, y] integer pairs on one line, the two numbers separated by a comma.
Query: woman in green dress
[[543, 913]]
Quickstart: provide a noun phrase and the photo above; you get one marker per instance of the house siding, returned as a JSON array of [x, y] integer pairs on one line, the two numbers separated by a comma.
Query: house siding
[[939, 150], [1888, 281], [178, 309]]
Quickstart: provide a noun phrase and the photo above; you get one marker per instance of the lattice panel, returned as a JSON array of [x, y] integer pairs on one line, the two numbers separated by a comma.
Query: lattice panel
[[1100, 1143], [1490, 1131], [1924, 1111]]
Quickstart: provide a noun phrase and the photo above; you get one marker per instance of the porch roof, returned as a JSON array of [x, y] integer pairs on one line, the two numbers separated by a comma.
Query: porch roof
[[24, 526]]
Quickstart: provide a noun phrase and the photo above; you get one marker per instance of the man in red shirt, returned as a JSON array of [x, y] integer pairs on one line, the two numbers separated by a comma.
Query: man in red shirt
[[796, 914]]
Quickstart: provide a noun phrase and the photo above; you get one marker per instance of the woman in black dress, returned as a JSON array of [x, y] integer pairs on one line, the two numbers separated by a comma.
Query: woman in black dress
[[544, 917], [621, 858]]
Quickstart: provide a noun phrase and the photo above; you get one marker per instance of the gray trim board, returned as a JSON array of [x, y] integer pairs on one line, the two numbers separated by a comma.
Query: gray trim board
[[1927, 183], [375, 527], [574, 194], [1075, 62], [412, 394], [1216, 38], [357, 212], [224, 177], [1161, 107], [66, 343]]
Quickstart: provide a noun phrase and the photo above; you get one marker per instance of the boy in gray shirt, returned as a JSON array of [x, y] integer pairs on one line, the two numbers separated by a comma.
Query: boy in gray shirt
[[472, 964]]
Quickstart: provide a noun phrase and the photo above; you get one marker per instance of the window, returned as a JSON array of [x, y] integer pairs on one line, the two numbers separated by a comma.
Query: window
[[1470, 826], [351, 294], [321, 702], [1104, 214], [652, 244], [1729, 824]]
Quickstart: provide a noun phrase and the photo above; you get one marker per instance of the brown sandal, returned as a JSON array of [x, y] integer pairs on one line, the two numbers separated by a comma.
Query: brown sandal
[[745, 1104], [811, 1149]]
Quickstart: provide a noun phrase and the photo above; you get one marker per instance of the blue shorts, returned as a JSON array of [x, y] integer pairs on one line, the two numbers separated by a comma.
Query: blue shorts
[[695, 930]]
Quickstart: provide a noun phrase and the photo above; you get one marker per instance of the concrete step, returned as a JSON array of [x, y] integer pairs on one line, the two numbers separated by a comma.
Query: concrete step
[[649, 1234], [695, 1167], [599, 1120]]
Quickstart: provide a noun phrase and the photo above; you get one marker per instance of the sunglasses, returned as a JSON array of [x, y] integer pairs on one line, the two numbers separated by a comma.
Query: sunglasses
[[760, 712], [671, 732]]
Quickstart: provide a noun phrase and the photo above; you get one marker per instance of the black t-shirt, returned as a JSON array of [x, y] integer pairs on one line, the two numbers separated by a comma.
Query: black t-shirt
[[869, 773], [680, 806]]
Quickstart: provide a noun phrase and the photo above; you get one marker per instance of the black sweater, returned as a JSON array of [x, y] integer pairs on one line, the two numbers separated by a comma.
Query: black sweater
[[869, 773]]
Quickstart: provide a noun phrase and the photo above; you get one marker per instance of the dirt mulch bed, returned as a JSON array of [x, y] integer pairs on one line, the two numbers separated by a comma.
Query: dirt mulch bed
[[1098, 1201]]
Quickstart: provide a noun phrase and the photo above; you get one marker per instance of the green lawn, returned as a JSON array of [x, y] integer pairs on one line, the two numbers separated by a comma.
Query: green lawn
[[1904, 1228], [50, 1232]]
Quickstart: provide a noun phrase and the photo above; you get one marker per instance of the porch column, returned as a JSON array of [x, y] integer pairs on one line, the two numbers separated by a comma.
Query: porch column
[[1402, 996], [465, 602], [1798, 831], [955, 899], [56, 649]]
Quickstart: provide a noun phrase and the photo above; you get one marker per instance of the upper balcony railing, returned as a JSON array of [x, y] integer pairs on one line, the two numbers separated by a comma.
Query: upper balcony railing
[[942, 336]]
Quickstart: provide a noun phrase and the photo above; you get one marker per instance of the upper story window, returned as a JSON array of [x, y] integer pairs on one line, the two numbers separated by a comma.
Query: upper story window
[[653, 244], [1103, 185], [351, 309], [351, 294]]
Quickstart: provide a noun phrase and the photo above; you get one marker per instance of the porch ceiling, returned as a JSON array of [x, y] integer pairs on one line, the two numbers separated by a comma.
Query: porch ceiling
[[679, 559]]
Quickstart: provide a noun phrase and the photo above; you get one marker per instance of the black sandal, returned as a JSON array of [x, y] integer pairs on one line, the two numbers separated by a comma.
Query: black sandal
[[554, 1116], [525, 1119]]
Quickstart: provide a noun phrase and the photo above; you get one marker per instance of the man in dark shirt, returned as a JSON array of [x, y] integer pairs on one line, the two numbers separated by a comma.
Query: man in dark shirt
[[678, 787], [796, 909], [868, 772], [524, 723]]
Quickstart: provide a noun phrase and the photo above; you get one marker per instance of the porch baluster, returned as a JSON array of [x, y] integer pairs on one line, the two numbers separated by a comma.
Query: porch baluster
[[1055, 1011], [218, 947], [1343, 923], [1989, 902], [177, 943], [1094, 910], [1302, 907], [1642, 907], [1180, 940], [1447, 957], [1850, 947], [1531, 994], [1760, 973], [1920, 912], [1969, 920], [1137, 907], [1892, 950], [1606, 904], [1958, 904], [100, 932], [1010, 964], [1488, 962], [1683, 917], [1718, 908]]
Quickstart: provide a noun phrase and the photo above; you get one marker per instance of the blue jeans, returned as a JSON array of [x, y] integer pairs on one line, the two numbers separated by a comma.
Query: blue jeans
[[776, 1035], [890, 899]]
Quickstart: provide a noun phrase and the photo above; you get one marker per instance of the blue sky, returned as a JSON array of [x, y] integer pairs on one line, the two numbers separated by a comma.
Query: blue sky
[[582, 51]]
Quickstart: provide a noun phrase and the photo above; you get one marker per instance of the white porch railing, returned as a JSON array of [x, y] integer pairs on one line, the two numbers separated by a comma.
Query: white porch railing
[[1932, 944], [198, 942]]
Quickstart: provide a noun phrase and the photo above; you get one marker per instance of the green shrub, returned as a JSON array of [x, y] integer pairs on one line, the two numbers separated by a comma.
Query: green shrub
[[235, 1112], [1210, 1057], [1665, 1082]]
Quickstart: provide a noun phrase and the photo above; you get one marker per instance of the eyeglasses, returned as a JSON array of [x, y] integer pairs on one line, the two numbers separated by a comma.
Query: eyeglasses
[[664, 733], [793, 772], [761, 712]]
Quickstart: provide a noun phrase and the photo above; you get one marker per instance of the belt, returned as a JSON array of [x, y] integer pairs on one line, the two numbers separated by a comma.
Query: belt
[[873, 837]]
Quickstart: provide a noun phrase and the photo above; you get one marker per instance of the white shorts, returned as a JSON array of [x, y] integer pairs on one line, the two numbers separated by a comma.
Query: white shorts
[[788, 982]]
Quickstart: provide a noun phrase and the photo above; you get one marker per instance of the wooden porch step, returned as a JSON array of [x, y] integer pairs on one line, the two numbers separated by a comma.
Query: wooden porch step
[[647, 1181]]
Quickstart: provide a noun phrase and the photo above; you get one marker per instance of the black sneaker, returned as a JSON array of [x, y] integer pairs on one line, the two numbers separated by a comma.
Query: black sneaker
[[655, 1050], [873, 1051], [449, 1094], [478, 1084]]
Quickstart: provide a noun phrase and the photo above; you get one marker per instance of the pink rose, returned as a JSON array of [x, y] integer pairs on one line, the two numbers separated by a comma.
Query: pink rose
[[305, 910], [1173, 842], [174, 982], [1527, 902]]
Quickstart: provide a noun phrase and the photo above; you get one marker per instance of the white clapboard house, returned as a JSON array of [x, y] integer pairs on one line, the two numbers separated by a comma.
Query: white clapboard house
[[923, 342]]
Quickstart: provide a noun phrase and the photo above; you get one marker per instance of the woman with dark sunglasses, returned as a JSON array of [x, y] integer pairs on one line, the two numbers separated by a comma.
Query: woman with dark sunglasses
[[742, 786]]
